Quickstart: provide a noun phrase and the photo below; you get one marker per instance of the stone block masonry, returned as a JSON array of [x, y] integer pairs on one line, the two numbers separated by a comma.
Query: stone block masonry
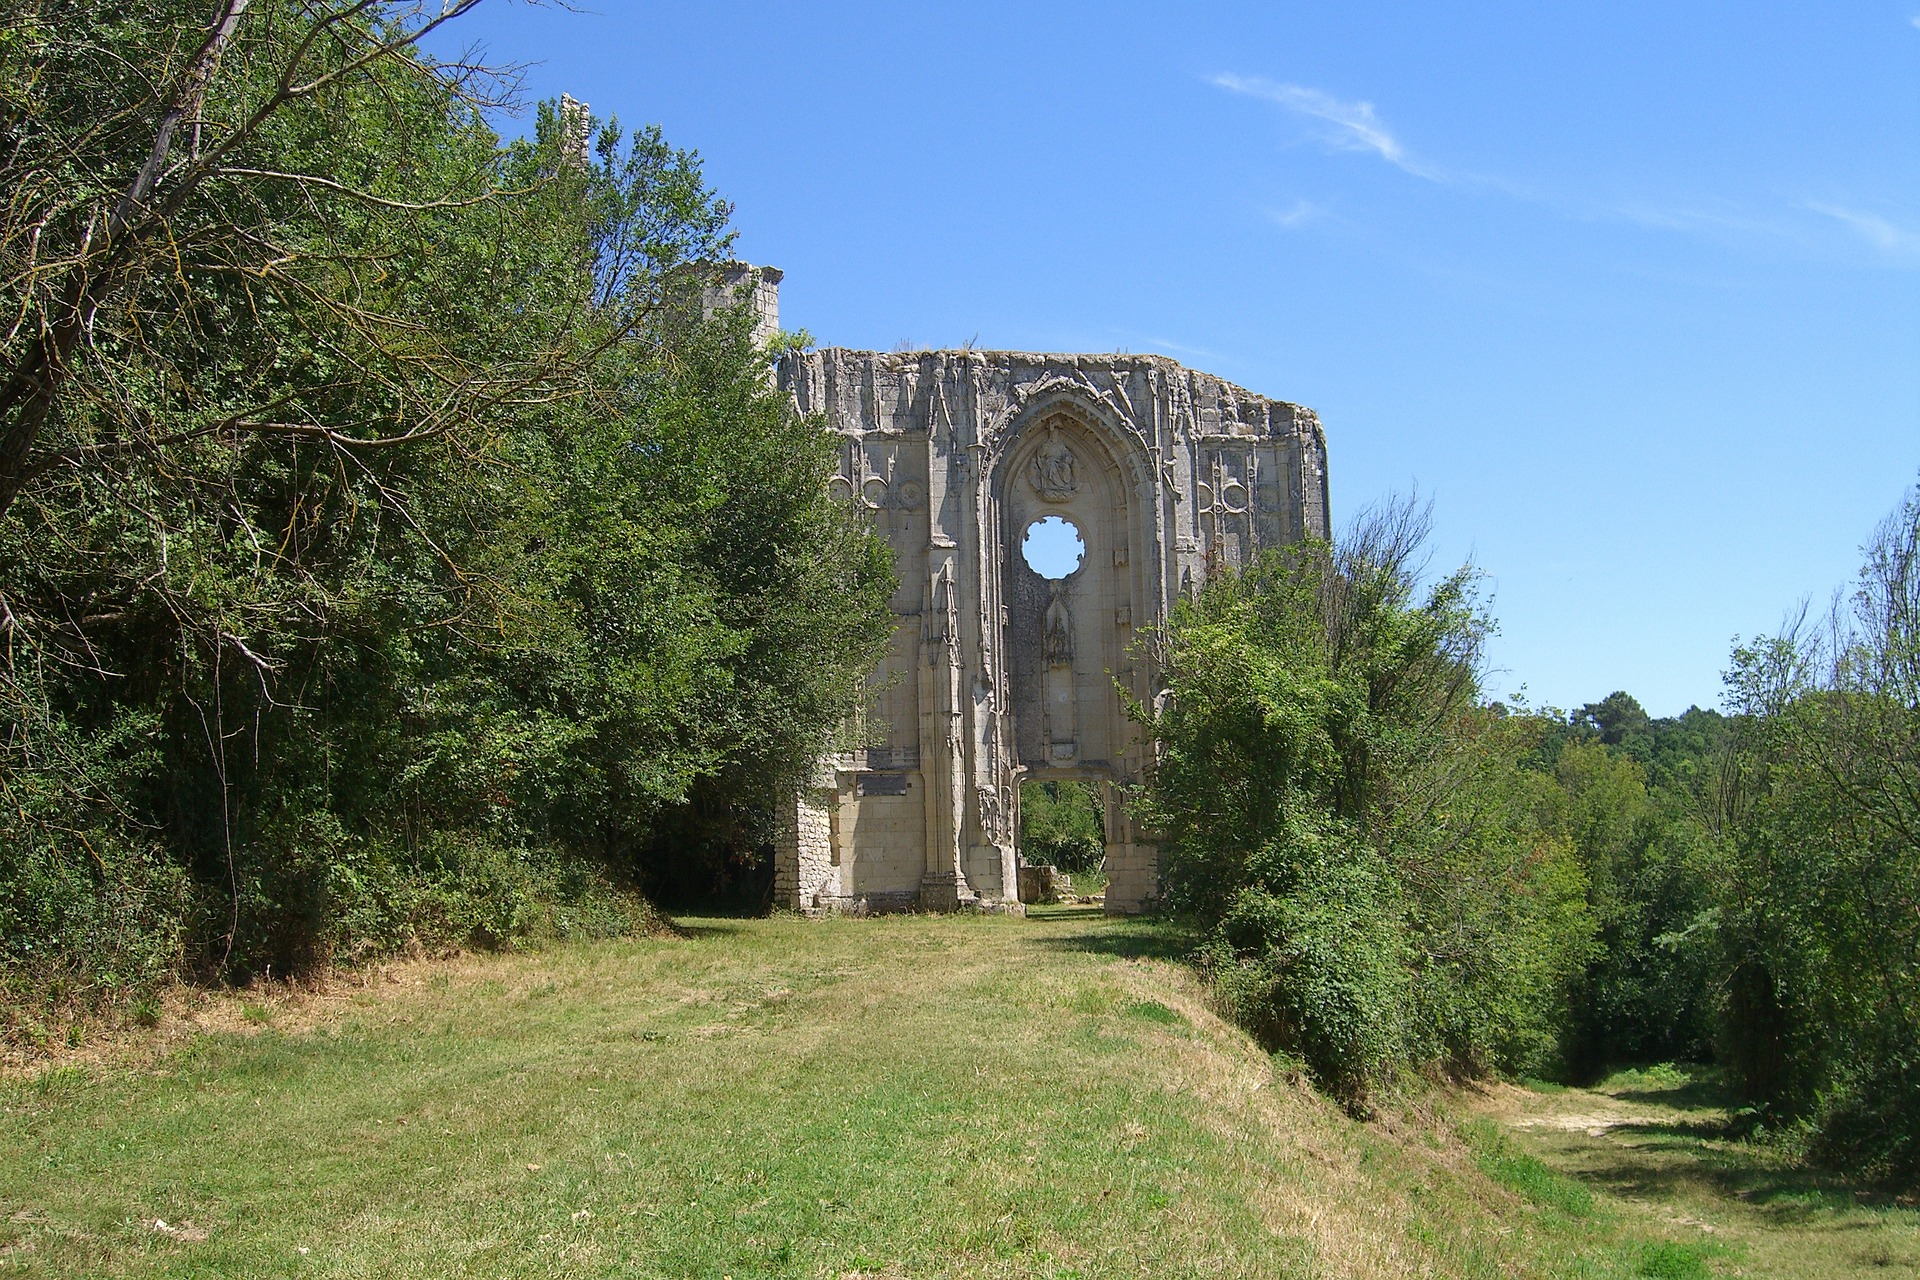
[[997, 674]]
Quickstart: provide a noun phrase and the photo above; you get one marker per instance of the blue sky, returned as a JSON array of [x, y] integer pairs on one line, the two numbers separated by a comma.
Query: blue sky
[[1630, 291]]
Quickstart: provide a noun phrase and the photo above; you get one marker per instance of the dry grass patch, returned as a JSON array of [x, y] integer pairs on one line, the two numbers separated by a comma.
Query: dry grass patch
[[907, 1096]]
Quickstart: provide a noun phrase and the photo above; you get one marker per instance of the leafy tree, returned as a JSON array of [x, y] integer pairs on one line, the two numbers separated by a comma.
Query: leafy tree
[[395, 555], [187, 182], [1339, 813], [1619, 721], [1062, 823], [1819, 899], [1648, 861]]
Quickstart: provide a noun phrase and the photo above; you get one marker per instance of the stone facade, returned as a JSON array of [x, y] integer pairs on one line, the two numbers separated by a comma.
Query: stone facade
[[998, 675], [731, 284]]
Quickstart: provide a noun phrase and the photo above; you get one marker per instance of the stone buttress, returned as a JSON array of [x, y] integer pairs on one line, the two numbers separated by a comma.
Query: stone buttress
[[997, 675]]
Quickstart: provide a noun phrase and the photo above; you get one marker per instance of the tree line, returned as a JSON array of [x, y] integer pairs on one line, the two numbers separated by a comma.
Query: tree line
[[1393, 874], [392, 552]]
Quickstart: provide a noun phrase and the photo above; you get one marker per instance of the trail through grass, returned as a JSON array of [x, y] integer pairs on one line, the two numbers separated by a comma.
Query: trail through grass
[[1656, 1143], [905, 1097]]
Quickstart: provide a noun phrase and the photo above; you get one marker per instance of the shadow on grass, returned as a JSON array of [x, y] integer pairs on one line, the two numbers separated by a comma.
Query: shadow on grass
[[1704, 1156], [1704, 1130], [1699, 1094], [1715, 1139], [1785, 1197], [1061, 911], [708, 927], [1131, 939]]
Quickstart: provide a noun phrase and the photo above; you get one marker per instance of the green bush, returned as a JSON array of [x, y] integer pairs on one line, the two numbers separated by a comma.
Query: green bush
[[93, 914], [463, 890], [1062, 823], [91, 932], [1320, 970], [1357, 838]]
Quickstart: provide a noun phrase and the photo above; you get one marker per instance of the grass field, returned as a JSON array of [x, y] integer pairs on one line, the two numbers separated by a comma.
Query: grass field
[[1655, 1142], [902, 1097]]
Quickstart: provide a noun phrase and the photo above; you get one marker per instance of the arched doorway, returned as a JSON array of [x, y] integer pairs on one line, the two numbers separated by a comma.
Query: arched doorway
[[1070, 514]]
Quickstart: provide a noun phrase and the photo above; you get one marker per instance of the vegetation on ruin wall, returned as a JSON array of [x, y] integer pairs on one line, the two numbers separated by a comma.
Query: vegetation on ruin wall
[[1395, 875], [389, 554]]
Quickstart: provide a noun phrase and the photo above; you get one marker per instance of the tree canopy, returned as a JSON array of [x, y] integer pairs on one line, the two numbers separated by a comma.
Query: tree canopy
[[391, 550]]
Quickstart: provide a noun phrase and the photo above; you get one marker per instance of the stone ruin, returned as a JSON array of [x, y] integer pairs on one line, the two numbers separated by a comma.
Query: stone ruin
[[998, 675]]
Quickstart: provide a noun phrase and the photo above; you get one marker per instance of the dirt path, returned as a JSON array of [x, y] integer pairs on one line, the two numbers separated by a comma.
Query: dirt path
[[1655, 1144]]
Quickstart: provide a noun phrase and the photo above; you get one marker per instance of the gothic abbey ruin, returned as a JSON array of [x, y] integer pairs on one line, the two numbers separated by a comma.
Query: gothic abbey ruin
[[999, 675]]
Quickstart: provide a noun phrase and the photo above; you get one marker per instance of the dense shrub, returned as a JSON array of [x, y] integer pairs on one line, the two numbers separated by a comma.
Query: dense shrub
[[1321, 967], [397, 555], [1352, 830]]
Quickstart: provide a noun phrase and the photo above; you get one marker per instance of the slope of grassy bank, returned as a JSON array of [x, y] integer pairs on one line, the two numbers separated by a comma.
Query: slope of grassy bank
[[902, 1097]]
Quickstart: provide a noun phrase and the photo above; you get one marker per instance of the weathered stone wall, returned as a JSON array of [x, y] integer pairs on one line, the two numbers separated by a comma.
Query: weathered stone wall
[[997, 674], [806, 876], [729, 284]]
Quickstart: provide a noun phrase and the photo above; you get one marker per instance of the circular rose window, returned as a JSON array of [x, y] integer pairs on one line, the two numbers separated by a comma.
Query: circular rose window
[[1053, 547]]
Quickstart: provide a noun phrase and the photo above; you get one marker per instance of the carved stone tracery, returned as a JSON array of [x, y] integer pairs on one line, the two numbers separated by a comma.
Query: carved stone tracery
[[1057, 641], [998, 675], [1051, 471]]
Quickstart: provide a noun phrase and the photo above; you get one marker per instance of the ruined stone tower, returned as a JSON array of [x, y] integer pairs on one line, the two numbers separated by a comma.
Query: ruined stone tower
[[997, 674]]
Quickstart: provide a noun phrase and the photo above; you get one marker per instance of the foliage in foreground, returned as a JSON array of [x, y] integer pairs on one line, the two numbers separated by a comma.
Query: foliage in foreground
[[394, 555], [1350, 827]]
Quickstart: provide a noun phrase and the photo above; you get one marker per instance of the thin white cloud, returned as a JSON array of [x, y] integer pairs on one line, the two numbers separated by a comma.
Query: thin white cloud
[[1915, 19], [1357, 127], [1197, 353], [1349, 126], [1297, 214], [1677, 218], [1888, 237]]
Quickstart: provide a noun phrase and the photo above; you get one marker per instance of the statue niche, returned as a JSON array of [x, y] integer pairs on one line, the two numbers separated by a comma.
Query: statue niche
[[1057, 638], [1051, 471]]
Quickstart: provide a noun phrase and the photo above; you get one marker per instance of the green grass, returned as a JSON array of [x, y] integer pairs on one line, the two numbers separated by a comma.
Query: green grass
[[1655, 1144], [1666, 1260], [1088, 883], [909, 1096], [1532, 1179]]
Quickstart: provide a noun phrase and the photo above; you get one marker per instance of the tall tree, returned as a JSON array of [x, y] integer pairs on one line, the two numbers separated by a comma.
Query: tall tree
[[397, 543], [1348, 824]]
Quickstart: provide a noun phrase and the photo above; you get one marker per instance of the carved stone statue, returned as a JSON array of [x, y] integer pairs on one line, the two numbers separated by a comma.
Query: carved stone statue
[[990, 820], [1051, 471], [1057, 639]]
